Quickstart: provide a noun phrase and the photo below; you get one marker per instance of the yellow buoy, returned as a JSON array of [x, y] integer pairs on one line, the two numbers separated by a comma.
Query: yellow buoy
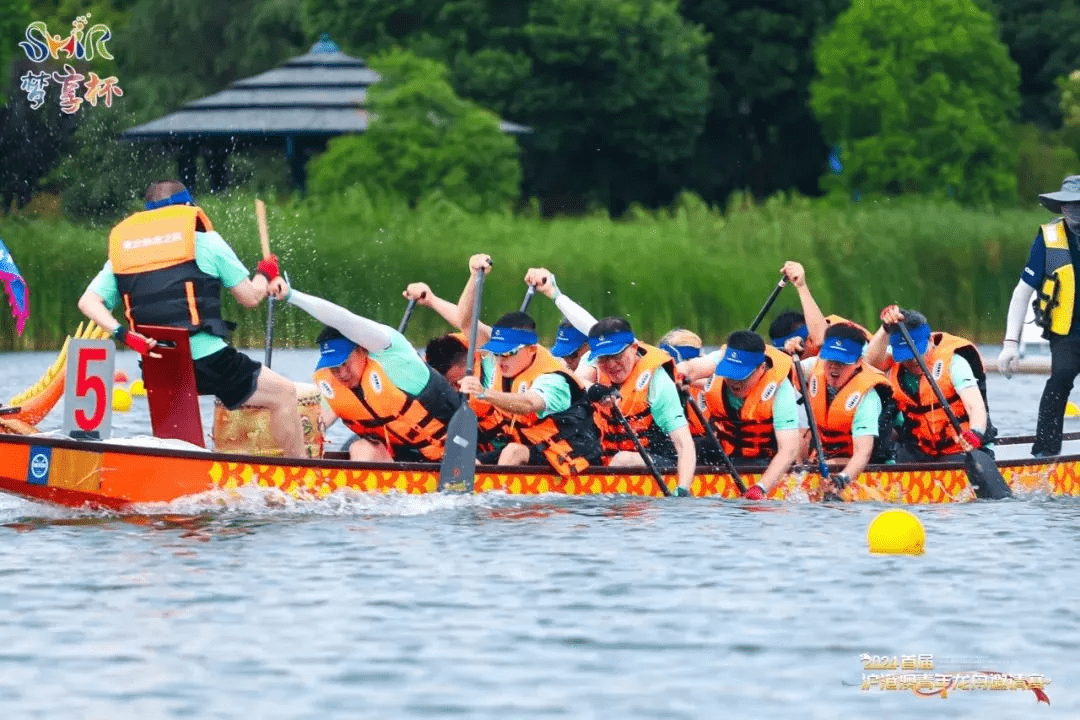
[[1071, 410], [896, 531], [137, 389], [121, 400]]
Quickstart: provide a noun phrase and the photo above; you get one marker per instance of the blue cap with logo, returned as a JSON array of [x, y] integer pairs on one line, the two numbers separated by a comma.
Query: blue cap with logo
[[738, 364], [610, 344], [334, 352], [506, 340], [900, 349], [842, 350], [681, 352], [567, 340]]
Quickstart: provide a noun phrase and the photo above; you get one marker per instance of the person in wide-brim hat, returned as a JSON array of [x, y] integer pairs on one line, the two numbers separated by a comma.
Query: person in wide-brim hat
[[1069, 193], [1050, 272]]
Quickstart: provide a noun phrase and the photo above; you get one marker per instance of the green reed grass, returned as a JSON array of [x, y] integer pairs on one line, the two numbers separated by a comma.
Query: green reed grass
[[692, 266]]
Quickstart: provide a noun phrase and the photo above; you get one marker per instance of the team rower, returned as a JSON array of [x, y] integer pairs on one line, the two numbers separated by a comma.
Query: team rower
[[167, 265], [852, 404], [638, 381], [550, 419], [374, 381], [750, 404], [927, 434]]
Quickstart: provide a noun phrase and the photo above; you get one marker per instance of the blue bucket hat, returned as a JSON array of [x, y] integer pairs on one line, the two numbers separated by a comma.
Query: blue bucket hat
[[1069, 192], [567, 340], [334, 352], [739, 364], [900, 349], [610, 344], [506, 340], [842, 350]]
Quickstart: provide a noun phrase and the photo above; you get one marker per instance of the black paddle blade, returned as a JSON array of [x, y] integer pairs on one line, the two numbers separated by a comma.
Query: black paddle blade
[[984, 476], [458, 468]]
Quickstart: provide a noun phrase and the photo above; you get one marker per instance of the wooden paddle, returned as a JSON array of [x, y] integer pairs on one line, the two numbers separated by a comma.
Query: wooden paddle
[[408, 314], [768, 303], [823, 467], [458, 469], [600, 394], [264, 241], [982, 471], [689, 401]]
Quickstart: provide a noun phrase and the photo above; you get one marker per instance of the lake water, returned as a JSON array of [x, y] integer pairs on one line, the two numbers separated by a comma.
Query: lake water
[[505, 607]]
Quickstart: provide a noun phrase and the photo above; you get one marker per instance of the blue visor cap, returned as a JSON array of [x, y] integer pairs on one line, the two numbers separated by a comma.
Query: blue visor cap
[[681, 352], [900, 349], [803, 332], [841, 350], [179, 198], [567, 341], [739, 364], [611, 344], [334, 352], [506, 340]]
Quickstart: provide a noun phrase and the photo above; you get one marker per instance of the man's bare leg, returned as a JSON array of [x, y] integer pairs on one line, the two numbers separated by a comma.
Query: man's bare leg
[[278, 395]]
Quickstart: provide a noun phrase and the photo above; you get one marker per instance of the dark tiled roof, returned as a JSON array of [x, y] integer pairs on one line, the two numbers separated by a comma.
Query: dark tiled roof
[[318, 93]]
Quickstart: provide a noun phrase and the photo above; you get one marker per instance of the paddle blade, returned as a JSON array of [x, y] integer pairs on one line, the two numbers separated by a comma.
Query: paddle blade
[[985, 477], [458, 469]]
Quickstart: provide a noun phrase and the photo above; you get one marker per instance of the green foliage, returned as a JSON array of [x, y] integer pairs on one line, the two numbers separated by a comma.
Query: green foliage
[[175, 51], [14, 17], [1043, 37], [422, 139], [104, 177], [919, 96], [760, 133], [692, 266], [616, 91], [1042, 160]]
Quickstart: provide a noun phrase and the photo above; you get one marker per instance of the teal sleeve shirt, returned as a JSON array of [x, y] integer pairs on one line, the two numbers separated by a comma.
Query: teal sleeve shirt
[[554, 389], [867, 416], [785, 410], [402, 364], [213, 256], [664, 402], [961, 373]]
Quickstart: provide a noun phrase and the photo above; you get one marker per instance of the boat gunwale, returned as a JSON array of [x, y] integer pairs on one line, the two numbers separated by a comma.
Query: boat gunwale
[[213, 456]]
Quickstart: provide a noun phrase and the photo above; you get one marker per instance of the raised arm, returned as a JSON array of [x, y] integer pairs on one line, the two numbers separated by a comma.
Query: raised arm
[[815, 320], [544, 281], [477, 263], [368, 334]]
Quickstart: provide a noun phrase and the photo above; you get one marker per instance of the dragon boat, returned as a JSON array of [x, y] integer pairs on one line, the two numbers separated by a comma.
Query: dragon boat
[[128, 474], [123, 474]]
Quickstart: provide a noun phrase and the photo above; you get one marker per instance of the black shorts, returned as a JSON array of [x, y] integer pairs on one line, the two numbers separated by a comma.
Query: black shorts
[[228, 374], [536, 457], [397, 452]]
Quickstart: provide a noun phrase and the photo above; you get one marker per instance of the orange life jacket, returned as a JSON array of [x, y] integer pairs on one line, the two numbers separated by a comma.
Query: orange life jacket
[[490, 421], [834, 418], [749, 433], [634, 403], [566, 437], [153, 258], [926, 419], [379, 410]]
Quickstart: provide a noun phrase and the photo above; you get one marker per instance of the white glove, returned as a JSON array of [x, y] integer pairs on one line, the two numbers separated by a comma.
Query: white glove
[[1009, 359]]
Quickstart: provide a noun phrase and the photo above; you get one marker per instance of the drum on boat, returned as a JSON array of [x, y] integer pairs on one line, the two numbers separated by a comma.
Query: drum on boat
[[246, 430]]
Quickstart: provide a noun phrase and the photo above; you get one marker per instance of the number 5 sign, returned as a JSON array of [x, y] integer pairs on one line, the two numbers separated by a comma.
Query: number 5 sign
[[88, 390]]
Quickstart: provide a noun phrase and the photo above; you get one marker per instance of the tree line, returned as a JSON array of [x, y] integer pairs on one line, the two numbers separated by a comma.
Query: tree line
[[630, 101]]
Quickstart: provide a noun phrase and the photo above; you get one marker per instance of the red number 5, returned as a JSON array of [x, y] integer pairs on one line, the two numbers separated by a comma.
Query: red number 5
[[92, 384]]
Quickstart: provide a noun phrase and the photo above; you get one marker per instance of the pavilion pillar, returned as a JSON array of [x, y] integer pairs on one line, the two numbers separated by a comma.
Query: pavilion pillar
[[297, 169], [217, 162]]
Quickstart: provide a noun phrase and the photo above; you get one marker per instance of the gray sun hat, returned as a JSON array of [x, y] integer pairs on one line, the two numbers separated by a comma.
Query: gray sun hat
[[1069, 192]]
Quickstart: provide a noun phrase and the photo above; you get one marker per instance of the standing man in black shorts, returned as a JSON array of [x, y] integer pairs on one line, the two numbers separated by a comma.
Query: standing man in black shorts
[[167, 266]]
